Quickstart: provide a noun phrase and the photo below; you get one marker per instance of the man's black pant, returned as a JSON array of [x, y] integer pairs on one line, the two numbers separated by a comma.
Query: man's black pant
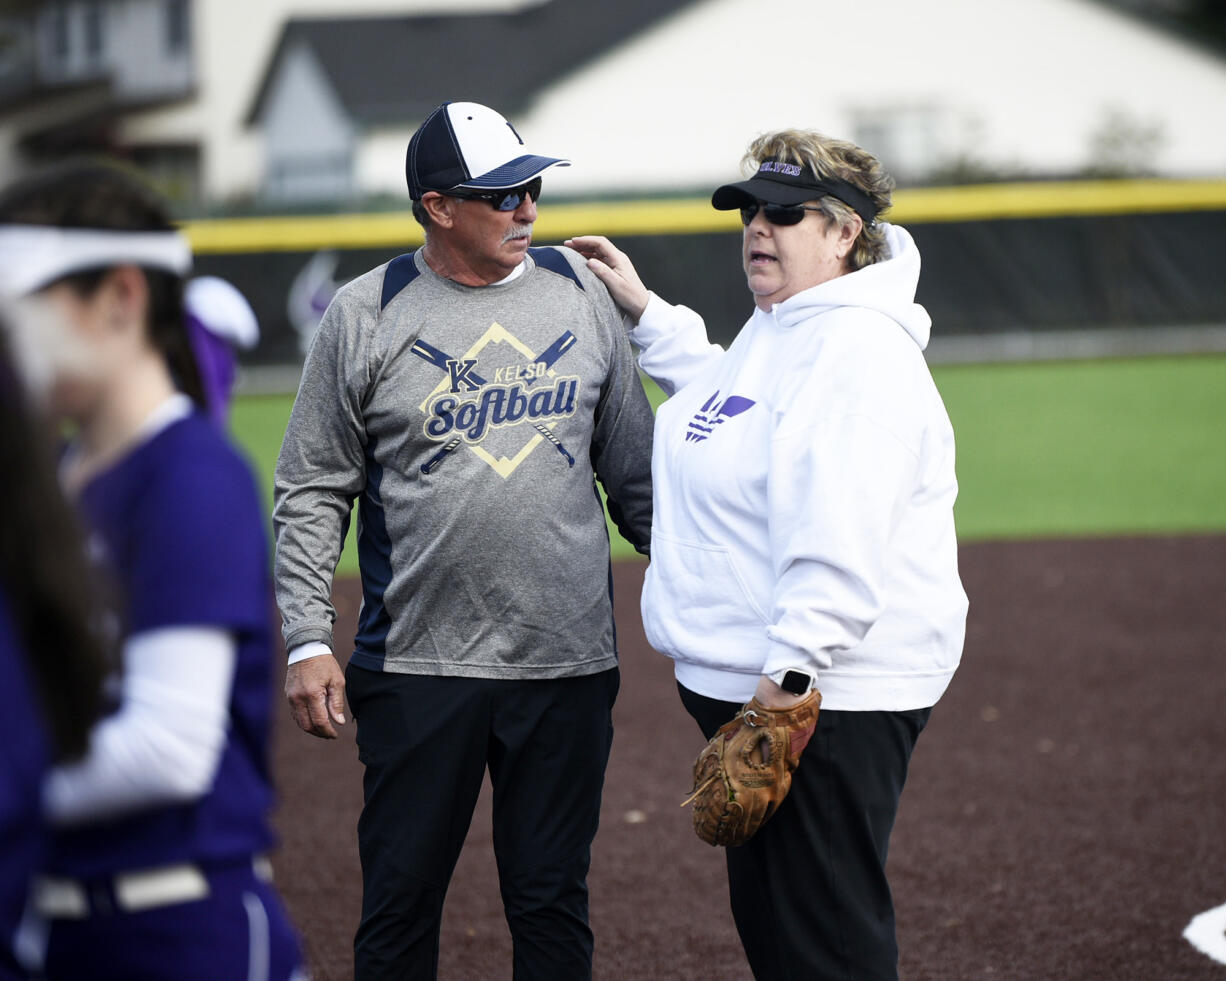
[[809, 893], [426, 742]]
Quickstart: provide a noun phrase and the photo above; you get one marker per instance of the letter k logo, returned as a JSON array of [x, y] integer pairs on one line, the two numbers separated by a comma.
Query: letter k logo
[[460, 370]]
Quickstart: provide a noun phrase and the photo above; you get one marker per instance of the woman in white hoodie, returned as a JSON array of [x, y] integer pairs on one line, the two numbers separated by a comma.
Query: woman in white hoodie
[[803, 534]]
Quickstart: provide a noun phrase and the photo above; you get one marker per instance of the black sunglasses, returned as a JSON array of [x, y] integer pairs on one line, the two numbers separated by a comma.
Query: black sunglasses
[[777, 214], [502, 200]]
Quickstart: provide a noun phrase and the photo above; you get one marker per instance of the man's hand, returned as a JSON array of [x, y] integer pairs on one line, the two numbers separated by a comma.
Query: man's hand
[[615, 270], [315, 689]]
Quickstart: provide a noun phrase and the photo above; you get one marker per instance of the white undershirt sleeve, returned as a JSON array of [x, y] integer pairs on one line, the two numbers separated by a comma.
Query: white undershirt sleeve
[[164, 744], [312, 648]]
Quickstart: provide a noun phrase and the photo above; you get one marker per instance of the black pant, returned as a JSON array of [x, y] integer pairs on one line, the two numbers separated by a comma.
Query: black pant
[[809, 893], [426, 742]]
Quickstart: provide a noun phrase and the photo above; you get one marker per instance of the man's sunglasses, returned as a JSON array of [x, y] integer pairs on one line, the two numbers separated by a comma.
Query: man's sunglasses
[[777, 214], [503, 200]]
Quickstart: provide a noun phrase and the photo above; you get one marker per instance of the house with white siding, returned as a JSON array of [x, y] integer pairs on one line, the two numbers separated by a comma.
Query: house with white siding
[[942, 91], [308, 103], [68, 74], [164, 83]]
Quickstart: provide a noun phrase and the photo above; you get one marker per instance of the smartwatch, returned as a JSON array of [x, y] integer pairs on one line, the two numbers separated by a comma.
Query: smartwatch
[[793, 681]]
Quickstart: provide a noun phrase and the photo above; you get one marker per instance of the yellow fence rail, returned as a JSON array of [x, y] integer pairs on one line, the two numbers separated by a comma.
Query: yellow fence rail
[[688, 216]]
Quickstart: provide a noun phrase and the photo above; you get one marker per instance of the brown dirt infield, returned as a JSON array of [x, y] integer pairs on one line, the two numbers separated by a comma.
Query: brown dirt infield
[[1063, 817]]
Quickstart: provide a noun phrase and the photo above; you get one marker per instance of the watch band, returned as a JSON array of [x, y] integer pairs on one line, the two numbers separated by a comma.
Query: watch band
[[793, 680]]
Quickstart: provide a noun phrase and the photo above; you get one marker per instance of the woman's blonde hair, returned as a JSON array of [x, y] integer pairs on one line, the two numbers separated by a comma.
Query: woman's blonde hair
[[827, 157]]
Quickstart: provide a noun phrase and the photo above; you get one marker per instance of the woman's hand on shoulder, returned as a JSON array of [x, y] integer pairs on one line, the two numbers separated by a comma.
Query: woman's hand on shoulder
[[614, 268]]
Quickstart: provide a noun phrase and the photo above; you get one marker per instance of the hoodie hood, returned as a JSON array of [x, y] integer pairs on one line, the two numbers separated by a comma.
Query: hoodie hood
[[887, 287]]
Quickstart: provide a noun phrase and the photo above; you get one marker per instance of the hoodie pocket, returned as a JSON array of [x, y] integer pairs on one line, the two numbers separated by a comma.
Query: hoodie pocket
[[697, 598]]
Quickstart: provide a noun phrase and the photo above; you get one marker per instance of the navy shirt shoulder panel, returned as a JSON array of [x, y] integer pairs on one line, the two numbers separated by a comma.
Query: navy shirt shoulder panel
[[399, 273], [548, 257]]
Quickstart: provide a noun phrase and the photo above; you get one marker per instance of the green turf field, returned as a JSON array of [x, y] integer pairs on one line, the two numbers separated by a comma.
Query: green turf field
[[1052, 449], [1089, 447]]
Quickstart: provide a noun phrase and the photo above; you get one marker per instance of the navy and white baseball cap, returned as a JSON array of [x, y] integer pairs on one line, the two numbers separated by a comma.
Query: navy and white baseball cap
[[464, 144]]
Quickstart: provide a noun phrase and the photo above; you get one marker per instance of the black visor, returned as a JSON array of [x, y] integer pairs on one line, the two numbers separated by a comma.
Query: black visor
[[782, 182]]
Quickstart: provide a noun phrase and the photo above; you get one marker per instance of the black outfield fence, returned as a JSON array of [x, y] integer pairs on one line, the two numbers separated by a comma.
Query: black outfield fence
[[996, 258]]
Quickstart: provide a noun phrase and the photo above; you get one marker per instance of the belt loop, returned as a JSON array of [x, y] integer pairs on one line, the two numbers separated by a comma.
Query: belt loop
[[165, 886], [261, 865], [60, 899]]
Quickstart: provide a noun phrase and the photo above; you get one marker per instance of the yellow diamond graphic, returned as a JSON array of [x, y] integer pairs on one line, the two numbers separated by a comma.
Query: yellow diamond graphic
[[497, 334]]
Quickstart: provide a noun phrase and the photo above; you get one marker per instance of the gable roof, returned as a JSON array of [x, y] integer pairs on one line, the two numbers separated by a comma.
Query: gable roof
[[396, 69], [1201, 24]]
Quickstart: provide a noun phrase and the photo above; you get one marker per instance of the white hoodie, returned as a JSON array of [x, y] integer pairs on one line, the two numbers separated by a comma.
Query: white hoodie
[[803, 496]]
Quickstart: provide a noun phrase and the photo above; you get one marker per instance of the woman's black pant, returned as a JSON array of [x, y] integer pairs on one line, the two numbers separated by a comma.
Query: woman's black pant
[[426, 743], [809, 893]]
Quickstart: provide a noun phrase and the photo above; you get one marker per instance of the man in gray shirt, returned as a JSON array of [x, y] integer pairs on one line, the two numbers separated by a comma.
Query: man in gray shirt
[[469, 394]]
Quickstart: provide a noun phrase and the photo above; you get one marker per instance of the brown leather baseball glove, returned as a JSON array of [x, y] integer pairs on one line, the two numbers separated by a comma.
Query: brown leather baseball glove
[[745, 772]]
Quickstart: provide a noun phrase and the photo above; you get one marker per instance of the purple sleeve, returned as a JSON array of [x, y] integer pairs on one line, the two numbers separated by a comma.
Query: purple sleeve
[[22, 766]]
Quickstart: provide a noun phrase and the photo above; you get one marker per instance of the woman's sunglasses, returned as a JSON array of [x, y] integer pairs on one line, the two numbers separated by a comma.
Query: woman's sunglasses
[[776, 214], [503, 200]]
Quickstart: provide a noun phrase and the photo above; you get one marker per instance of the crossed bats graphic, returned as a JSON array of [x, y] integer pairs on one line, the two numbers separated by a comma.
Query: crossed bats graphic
[[439, 359]]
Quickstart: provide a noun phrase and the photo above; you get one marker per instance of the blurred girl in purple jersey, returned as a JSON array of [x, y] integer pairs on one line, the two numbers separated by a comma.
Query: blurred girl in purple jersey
[[157, 864], [51, 664]]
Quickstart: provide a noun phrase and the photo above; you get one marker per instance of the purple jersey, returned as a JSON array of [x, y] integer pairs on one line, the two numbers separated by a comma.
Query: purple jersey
[[22, 766], [180, 526]]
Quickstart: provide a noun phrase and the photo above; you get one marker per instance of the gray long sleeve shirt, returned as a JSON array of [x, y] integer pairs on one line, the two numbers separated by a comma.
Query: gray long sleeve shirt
[[468, 422]]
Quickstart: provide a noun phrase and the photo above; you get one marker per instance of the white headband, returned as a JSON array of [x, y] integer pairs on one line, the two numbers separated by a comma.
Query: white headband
[[33, 256], [222, 310]]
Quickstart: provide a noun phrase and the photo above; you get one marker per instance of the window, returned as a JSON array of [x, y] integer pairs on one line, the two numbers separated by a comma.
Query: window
[[910, 141], [177, 25], [314, 177], [174, 169], [93, 28], [11, 49], [61, 40]]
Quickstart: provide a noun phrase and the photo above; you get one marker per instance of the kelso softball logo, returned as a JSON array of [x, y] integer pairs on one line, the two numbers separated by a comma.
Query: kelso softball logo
[[465, 406], [499, 406]]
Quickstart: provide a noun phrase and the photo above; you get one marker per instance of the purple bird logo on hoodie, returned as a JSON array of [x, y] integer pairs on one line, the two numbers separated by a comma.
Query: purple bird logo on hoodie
[[713, 413]]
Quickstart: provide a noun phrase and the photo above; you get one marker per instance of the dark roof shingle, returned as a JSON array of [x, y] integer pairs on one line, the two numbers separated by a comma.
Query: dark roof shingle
[[396, 69]]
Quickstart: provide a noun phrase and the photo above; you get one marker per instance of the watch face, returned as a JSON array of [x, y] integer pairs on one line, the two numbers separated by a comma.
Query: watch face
[[795, 682]]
